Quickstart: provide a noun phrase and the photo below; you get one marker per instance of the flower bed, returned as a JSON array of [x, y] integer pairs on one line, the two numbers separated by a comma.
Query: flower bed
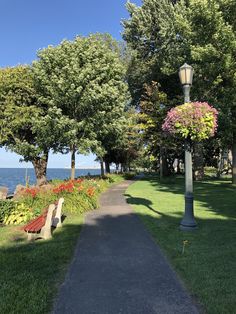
[[80, 195]]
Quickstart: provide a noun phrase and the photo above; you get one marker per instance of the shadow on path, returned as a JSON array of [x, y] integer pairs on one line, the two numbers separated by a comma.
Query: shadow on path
[[118, 268]]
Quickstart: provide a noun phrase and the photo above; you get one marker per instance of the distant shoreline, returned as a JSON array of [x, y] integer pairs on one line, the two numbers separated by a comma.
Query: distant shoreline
[[11, 177], [92, 168]]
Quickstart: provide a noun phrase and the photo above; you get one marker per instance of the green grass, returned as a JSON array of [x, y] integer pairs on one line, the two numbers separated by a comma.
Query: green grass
[[31, 272], [208, 265]]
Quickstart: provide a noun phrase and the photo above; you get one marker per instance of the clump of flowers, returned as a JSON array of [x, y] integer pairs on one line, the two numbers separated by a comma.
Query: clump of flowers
[[64, 187], [80, 188], [195, 121], [31, 192], [90, 191]]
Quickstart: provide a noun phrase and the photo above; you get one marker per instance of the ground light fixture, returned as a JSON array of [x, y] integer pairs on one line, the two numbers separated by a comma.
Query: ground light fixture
[[188, 222]]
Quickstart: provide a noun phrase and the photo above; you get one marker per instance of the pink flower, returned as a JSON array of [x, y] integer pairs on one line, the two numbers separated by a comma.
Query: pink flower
[[196, 121]]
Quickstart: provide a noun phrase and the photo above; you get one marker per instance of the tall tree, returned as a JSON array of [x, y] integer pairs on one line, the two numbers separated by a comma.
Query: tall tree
[[27, 127], [202, 32], [85, 78], [153, 109]]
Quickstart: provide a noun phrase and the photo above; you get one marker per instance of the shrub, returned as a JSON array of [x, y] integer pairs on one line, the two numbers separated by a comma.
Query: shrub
[[80, 195], [6, 207], [15, 213], [20, 214], [130, 175]]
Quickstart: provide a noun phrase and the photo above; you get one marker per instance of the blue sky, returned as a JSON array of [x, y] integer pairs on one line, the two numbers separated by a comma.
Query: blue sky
[[29, 25]]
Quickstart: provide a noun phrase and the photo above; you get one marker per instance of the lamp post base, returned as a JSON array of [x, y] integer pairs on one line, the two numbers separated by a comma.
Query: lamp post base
[[188, 227], [188, 223]]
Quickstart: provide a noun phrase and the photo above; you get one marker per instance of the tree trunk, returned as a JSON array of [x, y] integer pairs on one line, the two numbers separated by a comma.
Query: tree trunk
[[117, 168], [124, 167], [107, 167], [178, 166], [73, 150], [165, 169], [198, 164], [102, 167], [40, 168], [234, 159], [161, 163], [219, 165]]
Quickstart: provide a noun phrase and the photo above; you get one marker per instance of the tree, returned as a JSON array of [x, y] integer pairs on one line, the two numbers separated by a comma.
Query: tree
[[28, 127], [85, 79], [161, 149], [201, 32], [146, 49], [110, 138], [123, 146]]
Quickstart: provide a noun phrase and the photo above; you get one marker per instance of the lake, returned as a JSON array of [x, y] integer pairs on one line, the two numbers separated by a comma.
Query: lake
[[10, 177]]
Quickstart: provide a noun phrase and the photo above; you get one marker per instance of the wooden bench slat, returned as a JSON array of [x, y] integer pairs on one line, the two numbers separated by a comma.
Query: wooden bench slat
[[35, 224]]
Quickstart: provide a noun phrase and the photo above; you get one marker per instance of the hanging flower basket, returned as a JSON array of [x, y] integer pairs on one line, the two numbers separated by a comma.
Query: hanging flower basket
[[195, 121]]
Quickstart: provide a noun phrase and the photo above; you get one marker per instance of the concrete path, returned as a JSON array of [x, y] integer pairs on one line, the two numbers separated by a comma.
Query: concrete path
[[118, 268]]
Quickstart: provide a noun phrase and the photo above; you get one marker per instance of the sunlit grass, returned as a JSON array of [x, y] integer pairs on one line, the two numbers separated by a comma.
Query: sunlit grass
[[31, 272], [208, 264]]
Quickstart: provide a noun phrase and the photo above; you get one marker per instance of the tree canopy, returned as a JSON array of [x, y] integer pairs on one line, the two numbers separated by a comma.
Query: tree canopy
[[163, 34], [28, 127], [85, 79]]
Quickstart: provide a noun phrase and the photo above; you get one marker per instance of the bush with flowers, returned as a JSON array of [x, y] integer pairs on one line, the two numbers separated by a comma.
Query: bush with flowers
[[195, 121], [80, 195], [15, 212]]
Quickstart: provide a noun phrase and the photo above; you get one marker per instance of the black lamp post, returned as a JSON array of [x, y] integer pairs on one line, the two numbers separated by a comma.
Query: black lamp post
[[188, 222]]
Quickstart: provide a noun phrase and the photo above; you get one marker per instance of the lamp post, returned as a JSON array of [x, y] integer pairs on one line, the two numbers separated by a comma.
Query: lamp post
[[188, 222]]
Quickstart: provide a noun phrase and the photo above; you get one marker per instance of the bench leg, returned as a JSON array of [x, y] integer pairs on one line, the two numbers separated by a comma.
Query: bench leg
[[56, 221], [30, 236], [45, 233]]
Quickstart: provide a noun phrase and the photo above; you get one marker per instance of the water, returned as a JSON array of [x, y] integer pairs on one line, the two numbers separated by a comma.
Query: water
[[10, 177]]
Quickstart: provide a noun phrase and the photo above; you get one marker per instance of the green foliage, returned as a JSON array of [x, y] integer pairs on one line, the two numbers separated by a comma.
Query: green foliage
[[85, 79], [28, 127], [18, 102], [163, 34], [126, 149], [14, 213], [80, 195], [6, 207], [130, 175], [20, 214]]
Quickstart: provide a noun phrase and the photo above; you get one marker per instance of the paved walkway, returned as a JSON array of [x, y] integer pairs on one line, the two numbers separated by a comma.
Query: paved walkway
[[118, 268]]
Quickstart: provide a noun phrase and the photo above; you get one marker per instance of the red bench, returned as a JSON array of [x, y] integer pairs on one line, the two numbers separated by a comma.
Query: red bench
[[40, 227]]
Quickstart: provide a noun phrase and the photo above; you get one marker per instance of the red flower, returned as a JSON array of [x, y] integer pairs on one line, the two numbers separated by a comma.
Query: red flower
[[90, 191], [31, 191], [80, 188], [79, 180], [64, 187]]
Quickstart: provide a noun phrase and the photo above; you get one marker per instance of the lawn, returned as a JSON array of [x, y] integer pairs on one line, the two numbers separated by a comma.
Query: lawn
[[31, 272], [208, 264]]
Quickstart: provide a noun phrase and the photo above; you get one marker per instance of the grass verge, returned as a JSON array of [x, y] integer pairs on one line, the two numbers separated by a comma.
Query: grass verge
[[207, 265], [30, 273]]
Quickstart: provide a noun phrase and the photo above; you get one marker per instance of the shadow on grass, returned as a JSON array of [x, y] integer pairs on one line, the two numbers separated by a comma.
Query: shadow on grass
[[141, 201], [217, 196]]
